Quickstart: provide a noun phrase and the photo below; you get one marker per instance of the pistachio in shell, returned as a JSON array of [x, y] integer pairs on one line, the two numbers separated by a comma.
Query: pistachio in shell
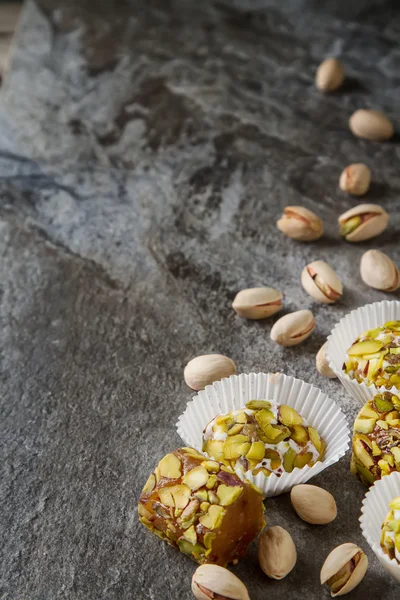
[[344, 568], [207, 368], [363, 222], [276, 552], [321, 282], [355, 179], [322, 364], [213, 581], [371, 125], [257, 303], [330, 75], [313, 504], [300, 224], [293, 328], [379, 271]]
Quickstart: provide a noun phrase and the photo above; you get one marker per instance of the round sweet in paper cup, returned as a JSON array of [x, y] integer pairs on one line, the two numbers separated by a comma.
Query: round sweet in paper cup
[[234, 392], [345, 333], [374, 509]]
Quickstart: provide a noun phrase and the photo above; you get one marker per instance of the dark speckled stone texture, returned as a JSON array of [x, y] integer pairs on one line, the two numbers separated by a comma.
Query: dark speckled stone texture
[[146, 150]]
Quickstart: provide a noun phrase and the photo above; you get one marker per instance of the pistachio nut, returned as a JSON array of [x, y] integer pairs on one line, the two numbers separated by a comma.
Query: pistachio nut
[[371, 125], [313, 504], [211, 581], [205, 369], [257, 303], [355, 179], [276, 552], [300, 224], [294, 328], [321, 282], [363, 222], [322, 364], [344, 569], [379, 271], [330, 75]]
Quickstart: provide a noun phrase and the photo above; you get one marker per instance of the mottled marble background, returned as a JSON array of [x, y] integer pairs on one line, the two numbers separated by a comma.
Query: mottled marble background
[[146, 150]]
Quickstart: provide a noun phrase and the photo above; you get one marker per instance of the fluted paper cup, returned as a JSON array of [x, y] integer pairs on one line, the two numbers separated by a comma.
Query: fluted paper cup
[[234, 392], [345, 333], [374, 509]]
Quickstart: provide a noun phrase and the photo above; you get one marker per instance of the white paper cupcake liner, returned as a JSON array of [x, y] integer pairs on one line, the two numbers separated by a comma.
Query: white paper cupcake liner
[[345, 333], [374, 509], [234, 392]]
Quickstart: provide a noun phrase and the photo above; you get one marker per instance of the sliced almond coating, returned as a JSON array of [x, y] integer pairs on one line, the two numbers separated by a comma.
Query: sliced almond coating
[[364, 425], [211, 465], [215, 449], [175, 496], [384, 467], [389, 459], [376, 451], [149, 485], [213, 498], [213, 518], [196, 478], [367, 411], [208, 539], [190, 549], [143, 512], [190, 510], [228, 494], [193, 453], [395, 450], [212, 480], [190, 535], [147, 523], [170, 466], [201, 495], [362, 454], [166, 497]]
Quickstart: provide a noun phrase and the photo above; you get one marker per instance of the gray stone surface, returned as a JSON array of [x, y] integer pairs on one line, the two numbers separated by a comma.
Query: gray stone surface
[[146, 150]]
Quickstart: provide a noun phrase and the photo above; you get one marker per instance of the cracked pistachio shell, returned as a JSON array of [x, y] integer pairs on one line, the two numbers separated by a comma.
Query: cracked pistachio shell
[[257, 303], [313, 504], [321, 282], [371, 125], [373, 226], [212, 581], [276, 552], [293, 328], [329, 75], [355, 179], [322, 364], [337, 559], [300, 224], [207, 368], [379, 271]]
